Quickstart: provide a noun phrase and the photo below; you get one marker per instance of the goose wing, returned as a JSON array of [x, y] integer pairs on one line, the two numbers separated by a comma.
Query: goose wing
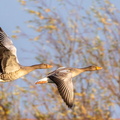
[[63, 80], [8, 57]]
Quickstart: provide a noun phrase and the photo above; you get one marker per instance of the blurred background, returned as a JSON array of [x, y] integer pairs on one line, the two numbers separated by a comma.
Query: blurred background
[[70, 33]]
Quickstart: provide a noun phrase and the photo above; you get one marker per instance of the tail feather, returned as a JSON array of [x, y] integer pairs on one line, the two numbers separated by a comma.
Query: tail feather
[[44, 80]]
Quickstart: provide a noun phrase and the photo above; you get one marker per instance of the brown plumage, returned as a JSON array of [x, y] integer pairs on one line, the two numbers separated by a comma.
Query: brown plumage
[[10, 69]]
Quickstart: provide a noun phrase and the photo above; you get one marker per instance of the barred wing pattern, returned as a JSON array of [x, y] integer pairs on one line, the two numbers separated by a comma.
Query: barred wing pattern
[[63, 80], [8, 57]]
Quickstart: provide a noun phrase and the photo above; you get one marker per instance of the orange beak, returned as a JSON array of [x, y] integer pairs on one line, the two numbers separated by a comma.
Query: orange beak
[[45, 66], [50, 66], [99, 68]]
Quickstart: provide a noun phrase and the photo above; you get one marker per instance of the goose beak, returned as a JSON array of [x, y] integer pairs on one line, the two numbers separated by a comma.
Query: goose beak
[[99, 68], [45, 66], [49, 66]]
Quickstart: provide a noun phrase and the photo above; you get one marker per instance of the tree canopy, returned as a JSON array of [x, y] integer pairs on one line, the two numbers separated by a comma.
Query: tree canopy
[[72, 34]]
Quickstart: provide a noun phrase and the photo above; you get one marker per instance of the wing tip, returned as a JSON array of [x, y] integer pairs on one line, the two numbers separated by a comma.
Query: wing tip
[[1, 29], [70, 105]]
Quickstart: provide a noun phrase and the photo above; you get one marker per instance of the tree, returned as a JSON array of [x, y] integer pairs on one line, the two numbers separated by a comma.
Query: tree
[[70, 34]]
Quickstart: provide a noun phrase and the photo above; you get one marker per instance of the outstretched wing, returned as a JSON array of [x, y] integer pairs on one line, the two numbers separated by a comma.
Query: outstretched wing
[[8, 57], [63, 80]]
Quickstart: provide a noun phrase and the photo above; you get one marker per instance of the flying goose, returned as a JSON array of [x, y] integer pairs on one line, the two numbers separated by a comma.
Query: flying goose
[[10, 69], [62, 77]]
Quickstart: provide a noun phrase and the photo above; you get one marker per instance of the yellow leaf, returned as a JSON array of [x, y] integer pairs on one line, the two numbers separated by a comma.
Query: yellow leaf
[[8, 112], [14, 36], [32, 11], [92, 96], [1, 108], [23, 2], [83, 109], [111, 104], [41, 17], [38, 13], [51, 27], [79, 94], [36, 38], [47, 10], [104, 21], [16, 93], [93, 90], [40, 29], [31, 86]]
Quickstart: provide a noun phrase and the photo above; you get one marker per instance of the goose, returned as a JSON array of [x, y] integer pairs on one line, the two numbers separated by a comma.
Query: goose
[[62, 77], [10, 69]]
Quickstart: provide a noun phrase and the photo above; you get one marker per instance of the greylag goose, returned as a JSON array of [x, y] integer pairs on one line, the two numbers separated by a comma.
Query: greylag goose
[[10, 69], [62, 77]]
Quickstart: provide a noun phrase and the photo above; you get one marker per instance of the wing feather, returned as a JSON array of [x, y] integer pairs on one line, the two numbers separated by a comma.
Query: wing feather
[[64, 84], [8, 57]]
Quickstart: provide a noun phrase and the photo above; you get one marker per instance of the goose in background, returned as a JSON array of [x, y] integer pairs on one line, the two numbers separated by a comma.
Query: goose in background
[[10, 69]]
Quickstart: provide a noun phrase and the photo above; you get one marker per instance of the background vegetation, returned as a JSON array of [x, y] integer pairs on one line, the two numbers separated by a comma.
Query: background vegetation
[[74, 34]]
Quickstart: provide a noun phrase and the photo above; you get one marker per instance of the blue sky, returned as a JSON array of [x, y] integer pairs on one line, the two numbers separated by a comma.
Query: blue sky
[[12, 15]]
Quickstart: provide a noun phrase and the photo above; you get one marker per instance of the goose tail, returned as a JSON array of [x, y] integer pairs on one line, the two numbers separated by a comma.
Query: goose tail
[[44, 80]]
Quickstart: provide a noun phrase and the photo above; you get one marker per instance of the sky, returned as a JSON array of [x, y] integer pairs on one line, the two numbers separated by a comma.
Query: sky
[[12, 15]]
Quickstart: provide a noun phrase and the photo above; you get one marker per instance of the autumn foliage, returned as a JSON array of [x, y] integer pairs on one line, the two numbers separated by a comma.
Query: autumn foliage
[[72, 34]]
